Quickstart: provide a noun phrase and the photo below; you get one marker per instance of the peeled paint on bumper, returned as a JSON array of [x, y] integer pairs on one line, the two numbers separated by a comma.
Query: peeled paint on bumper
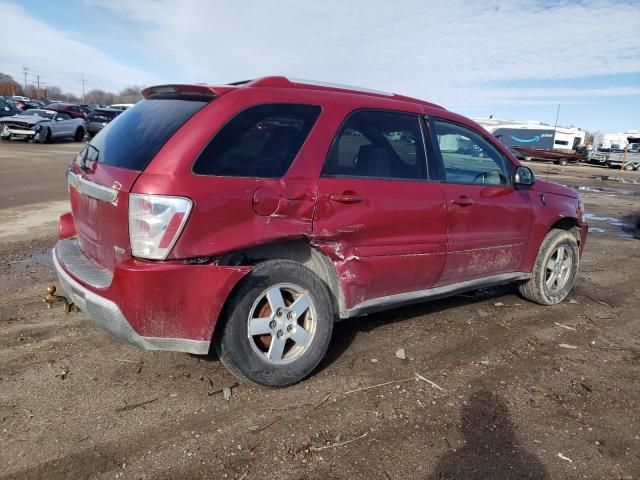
[[173, 300]]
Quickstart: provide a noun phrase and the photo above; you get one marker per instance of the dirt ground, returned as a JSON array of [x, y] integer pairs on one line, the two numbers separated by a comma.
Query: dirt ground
[[519, 390]]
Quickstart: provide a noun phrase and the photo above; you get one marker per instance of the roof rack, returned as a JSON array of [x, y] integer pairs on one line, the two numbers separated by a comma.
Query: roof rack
[[284, 82]]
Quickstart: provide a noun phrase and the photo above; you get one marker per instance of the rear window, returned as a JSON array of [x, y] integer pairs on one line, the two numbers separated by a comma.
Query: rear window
[[103, 114], [132, 139], [261, 141]]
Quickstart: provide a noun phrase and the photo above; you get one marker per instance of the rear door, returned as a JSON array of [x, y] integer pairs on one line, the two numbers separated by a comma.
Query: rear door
[[104, 172], [488, 219], [377, 213]]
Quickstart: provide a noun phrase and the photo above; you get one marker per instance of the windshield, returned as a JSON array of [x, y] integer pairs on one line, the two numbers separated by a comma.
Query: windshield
[[39, 113]]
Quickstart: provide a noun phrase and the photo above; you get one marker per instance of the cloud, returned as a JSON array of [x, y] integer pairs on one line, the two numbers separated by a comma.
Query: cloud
[[61, 59], [447, 51]]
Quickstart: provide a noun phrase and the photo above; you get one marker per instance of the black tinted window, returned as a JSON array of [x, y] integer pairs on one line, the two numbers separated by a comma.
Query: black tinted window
[[261, 141], [468, 157], [378, 144], [135, 136], [63, 116]]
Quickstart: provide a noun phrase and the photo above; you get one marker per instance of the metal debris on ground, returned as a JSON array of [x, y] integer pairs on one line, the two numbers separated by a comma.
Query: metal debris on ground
[[566, 345], [401, 354]]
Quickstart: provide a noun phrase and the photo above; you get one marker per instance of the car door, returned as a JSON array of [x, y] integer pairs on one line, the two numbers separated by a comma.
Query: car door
[[62, 125], [378, 215], [488, 220]]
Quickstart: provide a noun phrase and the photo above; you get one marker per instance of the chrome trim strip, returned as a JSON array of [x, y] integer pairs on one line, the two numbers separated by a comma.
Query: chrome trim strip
[[91, 189], [107, 316], [392, 301]]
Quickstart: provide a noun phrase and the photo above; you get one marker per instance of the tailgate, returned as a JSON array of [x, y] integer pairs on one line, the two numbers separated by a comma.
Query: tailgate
[[99, 202]]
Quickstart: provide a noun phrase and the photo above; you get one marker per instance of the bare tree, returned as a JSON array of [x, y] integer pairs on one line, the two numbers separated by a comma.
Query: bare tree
[[8, 86]]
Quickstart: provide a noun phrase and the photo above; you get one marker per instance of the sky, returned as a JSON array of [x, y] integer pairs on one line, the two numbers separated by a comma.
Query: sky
[[515, 59]]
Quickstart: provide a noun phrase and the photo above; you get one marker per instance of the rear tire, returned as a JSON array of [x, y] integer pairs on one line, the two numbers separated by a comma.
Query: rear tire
[[629, 167], [554, 271], [563, 161], [267, 335]]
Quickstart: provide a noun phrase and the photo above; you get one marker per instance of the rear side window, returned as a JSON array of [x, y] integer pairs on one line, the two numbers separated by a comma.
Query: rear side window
[[378, 144], [132, 139], [261, 141]]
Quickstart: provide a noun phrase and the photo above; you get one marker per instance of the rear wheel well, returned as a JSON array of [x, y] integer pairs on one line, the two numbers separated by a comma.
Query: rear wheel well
[[299, 251]]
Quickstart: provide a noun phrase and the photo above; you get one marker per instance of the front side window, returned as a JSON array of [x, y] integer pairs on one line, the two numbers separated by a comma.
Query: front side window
[[378, 144], [261, 141], [468, 157]]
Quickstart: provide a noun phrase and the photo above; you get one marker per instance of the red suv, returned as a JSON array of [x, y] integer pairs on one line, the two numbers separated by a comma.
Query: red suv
[[73, 110], [251, 216]]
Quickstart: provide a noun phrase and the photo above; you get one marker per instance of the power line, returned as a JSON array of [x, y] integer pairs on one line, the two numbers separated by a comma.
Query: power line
[[82, 79], [25, 71]]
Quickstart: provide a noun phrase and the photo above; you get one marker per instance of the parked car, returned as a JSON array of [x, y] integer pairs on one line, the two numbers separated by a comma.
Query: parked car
[[249, 217], [7, 109], [629, 160], [122, 106], [42, 125], [99, 118], [73, 110]]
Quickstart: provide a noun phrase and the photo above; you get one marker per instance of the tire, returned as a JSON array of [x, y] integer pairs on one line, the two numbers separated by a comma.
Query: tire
[[629, 167], [45, 136], [274, 285], [537, 289], [563, 161], [79, 135]]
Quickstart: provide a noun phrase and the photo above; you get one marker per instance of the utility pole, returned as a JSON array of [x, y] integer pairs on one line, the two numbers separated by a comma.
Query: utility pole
[[25, 71], [38, 86], [83, 80]]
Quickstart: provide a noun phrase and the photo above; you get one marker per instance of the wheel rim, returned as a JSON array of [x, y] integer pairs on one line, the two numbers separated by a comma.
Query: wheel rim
[[558, 269], [282, 323]]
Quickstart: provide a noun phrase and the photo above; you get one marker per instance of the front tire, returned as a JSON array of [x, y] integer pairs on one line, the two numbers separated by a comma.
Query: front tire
[[79, 135], [629, 167], [554, 271], [45, 136], [277, 325]]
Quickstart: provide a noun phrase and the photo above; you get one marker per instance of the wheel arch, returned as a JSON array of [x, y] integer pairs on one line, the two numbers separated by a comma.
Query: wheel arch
[[569, 224], [300, 251]]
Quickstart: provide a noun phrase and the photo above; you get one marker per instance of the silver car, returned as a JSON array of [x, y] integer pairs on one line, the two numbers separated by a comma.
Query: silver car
[[42, 125]]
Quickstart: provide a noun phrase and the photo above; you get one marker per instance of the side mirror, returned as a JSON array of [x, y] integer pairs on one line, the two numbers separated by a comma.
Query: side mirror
[[523, 176]]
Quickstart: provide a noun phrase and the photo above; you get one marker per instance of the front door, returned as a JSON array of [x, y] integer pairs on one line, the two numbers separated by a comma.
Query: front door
[[488, 219], [377, 215]]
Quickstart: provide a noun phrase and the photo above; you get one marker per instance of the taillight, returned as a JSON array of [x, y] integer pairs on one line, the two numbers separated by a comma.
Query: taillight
[[155, 223]]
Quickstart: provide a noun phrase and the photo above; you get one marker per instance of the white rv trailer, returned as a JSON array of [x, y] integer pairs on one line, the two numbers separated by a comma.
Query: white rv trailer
[[533, 134], [612, 140]]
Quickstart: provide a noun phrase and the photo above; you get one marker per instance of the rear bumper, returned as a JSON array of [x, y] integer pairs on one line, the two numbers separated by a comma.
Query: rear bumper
[[94, 127], [152, 305]]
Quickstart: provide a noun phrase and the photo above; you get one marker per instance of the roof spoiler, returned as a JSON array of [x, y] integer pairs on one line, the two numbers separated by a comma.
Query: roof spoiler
[[201, 93]]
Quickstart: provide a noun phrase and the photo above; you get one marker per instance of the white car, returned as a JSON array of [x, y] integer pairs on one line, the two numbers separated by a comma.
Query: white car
[[42, 125], [121, 106]]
